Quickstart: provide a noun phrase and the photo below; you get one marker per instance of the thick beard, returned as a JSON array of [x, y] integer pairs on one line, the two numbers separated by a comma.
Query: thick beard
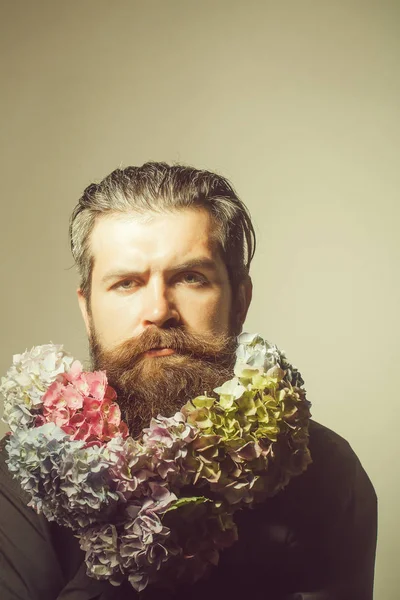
[[148, 386]]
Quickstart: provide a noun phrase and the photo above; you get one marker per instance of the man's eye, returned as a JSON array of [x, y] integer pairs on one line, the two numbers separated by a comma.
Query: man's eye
[[124, 285], [194, 279]]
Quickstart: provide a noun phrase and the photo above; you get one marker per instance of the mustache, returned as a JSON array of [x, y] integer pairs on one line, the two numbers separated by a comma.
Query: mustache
[[210, 347]]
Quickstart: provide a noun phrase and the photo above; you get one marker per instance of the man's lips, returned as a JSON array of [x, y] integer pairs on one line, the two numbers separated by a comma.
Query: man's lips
[[159, 352]]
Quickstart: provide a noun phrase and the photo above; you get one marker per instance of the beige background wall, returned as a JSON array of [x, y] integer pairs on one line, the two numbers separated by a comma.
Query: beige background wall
[[297, 103]]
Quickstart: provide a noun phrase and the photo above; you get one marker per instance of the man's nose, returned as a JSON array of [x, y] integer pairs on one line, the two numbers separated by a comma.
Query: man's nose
[[159, 308]]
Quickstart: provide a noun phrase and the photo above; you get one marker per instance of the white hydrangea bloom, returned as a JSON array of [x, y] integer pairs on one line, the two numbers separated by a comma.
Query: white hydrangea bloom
[[232, 389], [28, 379], [254, 356], [16, 416]]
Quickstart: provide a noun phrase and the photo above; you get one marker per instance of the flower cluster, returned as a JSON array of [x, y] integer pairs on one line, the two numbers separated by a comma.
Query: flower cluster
[[47, 385], [83, 405], [27, 381], [159, 508]]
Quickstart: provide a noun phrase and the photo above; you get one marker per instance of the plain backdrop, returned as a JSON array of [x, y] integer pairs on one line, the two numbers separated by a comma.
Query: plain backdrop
[[297, 103]]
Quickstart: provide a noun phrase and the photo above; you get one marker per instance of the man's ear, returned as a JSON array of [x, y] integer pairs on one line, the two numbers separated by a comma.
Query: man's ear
[[84, 309], [244, 296]]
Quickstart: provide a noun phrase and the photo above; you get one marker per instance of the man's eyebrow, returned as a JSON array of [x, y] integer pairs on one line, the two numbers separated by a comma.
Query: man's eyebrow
[[196, 263]]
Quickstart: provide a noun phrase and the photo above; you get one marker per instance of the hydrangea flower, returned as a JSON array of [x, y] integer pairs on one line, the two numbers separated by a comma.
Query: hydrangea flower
[[254, 356], [67, 482], [28, 379], [83, 405], [243, 431], [138, 547], [167, 441]]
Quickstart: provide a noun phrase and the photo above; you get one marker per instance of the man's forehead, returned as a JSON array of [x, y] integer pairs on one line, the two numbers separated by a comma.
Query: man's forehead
[[178, 236]]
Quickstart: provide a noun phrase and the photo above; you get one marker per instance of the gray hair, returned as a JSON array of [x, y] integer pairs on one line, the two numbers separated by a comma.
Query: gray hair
[[159, 187]]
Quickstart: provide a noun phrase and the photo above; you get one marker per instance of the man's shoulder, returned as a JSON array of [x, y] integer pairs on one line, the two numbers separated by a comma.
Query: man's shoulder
[[335, 476], [329, 445], [330, 452]]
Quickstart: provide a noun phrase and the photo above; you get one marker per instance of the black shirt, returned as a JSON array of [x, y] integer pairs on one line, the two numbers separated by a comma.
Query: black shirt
[[315, 540]]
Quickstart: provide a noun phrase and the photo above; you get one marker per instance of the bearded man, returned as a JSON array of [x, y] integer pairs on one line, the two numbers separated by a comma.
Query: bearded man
[[163, 254]]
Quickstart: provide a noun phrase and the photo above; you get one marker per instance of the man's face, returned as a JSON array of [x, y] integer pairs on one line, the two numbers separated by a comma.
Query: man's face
[[163, 270], [161, 307]]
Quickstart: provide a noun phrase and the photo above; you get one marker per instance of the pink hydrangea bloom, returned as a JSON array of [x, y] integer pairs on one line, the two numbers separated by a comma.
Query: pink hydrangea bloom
[[83, 405]]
